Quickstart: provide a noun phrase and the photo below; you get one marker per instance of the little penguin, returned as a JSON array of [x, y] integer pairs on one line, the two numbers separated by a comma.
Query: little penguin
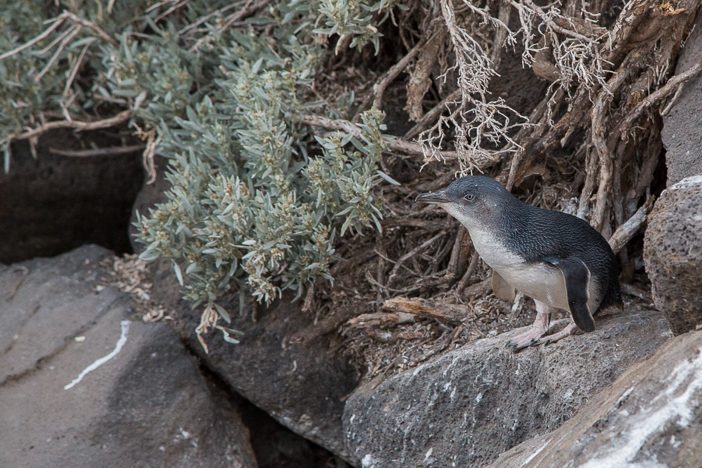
[[555, 258]]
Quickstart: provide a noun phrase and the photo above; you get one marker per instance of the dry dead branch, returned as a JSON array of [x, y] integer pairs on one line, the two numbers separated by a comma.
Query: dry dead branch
[[97, 152], [75, 124], [451, 313], [626, 231]]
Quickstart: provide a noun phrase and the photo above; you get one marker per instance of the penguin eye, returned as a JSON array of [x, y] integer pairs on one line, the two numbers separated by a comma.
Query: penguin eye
[[469, 197]]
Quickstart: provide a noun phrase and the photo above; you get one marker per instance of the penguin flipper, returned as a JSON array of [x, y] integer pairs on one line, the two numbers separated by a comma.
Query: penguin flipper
[[577, 276], [502, 288]]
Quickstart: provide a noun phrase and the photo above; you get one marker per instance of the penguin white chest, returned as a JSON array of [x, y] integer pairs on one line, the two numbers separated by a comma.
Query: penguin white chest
[[495, 253], [536, 280]]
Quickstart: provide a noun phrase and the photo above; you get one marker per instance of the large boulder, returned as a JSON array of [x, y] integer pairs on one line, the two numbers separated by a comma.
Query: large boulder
[[651, 416], [673, 253], [54, 202], [301, 382], [83, 383], [469, 405], [682, 126]]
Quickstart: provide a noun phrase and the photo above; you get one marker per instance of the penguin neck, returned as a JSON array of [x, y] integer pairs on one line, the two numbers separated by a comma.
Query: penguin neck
[[502, 219], [491, 235]]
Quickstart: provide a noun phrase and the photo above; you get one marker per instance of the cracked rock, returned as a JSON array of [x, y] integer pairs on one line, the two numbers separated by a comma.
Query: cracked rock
[[84, 383]]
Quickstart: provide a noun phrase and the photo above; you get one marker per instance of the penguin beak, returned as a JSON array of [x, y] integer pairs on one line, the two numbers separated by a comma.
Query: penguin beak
[[433, 197]]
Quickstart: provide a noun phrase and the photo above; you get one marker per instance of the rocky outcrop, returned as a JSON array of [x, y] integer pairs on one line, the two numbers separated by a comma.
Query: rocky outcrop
[[302, 383], [54, 202], [673, 253], [471, 404], [83, 383], [682, 132], [651, 416]]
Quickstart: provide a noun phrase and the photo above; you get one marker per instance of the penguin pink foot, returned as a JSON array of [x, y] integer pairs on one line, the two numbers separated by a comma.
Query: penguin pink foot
[[535, 332], [550, 339]]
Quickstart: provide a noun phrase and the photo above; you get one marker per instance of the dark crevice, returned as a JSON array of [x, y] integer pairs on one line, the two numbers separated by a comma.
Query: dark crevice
[[54, 203], [275, 445]]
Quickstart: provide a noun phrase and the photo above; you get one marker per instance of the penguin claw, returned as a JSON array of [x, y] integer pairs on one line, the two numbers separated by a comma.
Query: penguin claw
[[525, 340]]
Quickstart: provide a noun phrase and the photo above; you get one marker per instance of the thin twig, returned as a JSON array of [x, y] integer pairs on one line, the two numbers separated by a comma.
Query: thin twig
[[459, 251], [248, 10], [89, 153], [659, 94], [74, 71], [472, 268], [376, 319], [89, 24], [394, 71], [205, 18], [431, 115], [410, 254], [545, 18], [170, 10], [74, 32], [626, 231], [452, 313], [37, 39], [599, 141], [76, 124], [588, 186]]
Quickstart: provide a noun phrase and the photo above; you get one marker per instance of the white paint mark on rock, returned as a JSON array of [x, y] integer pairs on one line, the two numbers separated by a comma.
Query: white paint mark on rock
[[118, 347]]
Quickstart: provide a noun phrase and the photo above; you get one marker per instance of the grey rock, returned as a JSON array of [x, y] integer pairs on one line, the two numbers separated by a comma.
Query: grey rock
[[52, 203], [673, 253], [682, 126], [651, 416], [469, 405], [300, 382], [83, 384]]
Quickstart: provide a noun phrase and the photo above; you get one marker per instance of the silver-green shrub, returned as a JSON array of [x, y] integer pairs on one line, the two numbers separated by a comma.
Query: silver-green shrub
[[257, 200]]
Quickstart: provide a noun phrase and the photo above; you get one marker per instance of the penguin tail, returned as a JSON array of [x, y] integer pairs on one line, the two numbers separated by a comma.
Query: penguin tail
[[613, 297]]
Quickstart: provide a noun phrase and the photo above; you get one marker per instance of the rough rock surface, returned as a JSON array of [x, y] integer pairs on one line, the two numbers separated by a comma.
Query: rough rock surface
[[682, 127], [144, 404], [471, 404], [651, 416], [673, 253], [55, 203], [300, 383]]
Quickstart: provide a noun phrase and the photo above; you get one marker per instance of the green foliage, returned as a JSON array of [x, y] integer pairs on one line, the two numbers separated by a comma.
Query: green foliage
[[355, 19], [257, 200]]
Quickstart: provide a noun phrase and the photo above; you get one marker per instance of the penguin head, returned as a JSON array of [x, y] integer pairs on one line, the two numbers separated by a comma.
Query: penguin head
[[472, 200]]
